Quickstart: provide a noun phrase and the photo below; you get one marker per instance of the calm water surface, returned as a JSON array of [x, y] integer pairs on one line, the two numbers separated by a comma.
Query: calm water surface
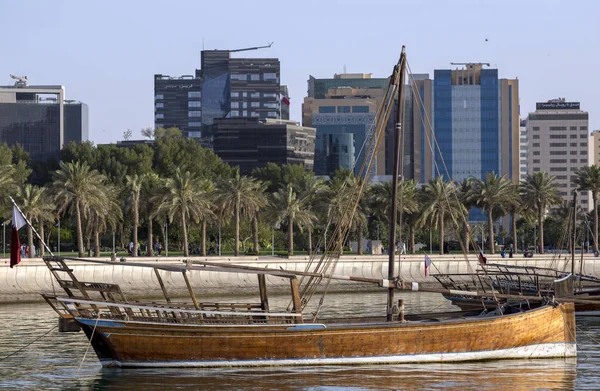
[[56, 361]]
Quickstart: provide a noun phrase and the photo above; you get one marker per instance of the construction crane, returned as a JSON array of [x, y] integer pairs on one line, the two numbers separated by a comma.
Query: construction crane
[[21, 81], [254, 48]]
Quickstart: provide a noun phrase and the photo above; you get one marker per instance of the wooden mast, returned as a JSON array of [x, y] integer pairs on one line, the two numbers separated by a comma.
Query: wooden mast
[[398, 75], [574, 232]]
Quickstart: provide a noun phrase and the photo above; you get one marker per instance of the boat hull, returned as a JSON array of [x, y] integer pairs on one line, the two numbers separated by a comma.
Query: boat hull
[[540, 333]]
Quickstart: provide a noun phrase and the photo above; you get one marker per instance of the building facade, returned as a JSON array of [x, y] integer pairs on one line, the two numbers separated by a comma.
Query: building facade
[[250, 143], [224, 87], [342, 110], [594, 150], [523, 147], [40, 120], [558, 144]]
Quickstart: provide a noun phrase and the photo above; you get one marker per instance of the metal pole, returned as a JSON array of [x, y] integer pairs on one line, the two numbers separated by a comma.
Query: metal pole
[[219, 239], [58, 237], [574, 232], [114, 242], [272, 242], [166, 238], [535, 238], [4, 239]]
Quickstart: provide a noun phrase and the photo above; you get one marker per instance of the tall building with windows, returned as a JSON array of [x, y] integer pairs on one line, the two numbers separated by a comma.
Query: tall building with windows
[[342, 109], [558, 144], [224, 87], [594, 150], [523, 146], [40, 119], [250, 143]]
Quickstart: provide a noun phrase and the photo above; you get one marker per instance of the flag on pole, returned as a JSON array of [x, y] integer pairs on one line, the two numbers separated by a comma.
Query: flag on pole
[[18, 221], [285, 99], [427, 263]]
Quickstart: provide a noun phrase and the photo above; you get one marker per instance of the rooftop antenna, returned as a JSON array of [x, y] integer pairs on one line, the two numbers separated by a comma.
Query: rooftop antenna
[[254, 48], [470, 63], [21, 81], [344, 68]]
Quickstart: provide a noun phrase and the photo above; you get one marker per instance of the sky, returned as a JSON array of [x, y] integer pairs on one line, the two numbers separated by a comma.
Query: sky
[[106, 53]]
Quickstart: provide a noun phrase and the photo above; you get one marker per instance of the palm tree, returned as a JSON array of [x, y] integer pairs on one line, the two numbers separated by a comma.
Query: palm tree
[[103, 211], [514, 209], [150, 195], [491, 194], [380, 202], [37, 208], [588, 178], [291, 210], [76, 186], [440, 203], [539, 193], [186, 200], [310, 190], [237, 196], [134, 186]]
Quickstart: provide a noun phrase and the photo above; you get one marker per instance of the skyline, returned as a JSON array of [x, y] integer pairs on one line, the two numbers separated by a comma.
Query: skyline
[[109, 61]]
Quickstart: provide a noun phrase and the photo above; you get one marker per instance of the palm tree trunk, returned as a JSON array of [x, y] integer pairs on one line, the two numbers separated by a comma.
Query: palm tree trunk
[[360, 238], [121, 230], [310, 251], [441, 224], [30, 240], [79, 230], [150, 251], [255, 234], [186, 252], [96, 241], [514, 231], [466, 232], [595, 200], [136, 221], [42, 237], [290, 239], [411, 234], [490, 231], [236, 240], [541, 230], [203, 238]]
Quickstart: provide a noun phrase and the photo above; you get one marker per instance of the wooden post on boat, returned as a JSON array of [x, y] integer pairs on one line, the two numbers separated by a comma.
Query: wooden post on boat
[[262, 287], [162, 285], [399, 80], [296, 303], [189, 286]]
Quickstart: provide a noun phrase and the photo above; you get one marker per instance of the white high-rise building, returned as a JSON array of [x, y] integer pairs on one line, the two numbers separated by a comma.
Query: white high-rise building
[[558, 144]]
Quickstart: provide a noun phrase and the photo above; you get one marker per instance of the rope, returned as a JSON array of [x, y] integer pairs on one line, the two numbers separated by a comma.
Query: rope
[[89, 344], [29, 344]]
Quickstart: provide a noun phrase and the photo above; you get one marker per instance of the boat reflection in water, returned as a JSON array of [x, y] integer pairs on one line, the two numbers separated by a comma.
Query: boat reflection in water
[[514, 375]]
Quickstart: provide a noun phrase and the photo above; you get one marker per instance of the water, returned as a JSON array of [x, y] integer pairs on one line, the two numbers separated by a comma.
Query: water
[[56, 361]]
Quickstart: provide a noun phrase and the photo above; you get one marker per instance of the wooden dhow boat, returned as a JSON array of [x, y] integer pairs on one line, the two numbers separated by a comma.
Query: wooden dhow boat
[[166, 333]]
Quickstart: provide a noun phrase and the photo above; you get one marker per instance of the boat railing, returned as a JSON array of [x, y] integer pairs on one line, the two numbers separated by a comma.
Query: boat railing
[[89, 309]]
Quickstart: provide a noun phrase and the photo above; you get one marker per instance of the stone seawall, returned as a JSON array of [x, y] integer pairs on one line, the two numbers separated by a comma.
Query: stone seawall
[[31, 277]]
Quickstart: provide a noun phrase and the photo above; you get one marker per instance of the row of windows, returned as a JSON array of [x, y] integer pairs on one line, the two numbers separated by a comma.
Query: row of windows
[[244, 113], [244, 105], [561, 128], [191, 94], [237, 94], [254, 76], [343, 109]]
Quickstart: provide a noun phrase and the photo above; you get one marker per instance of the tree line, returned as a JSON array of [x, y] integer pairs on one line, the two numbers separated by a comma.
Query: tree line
[[100, 190]]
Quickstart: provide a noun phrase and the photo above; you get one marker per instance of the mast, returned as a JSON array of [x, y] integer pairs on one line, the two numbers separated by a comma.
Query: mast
[[399, 79], [574, 233]]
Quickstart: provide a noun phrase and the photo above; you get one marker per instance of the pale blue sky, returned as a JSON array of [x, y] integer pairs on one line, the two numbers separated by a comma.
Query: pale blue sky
[[106, 52]]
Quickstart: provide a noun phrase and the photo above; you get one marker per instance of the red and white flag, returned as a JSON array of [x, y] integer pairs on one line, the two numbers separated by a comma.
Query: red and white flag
[[427, 263], [285, 99], [18, 221]]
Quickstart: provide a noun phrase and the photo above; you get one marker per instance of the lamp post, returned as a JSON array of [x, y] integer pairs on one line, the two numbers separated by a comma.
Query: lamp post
[[4, 239], [535, 239], [219, 244]]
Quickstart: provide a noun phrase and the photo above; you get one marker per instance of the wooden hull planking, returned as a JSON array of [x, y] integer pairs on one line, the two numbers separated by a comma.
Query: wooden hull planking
[[540, 333]]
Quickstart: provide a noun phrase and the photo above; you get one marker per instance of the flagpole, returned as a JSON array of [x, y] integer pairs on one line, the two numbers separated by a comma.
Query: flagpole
[[30, 225]]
